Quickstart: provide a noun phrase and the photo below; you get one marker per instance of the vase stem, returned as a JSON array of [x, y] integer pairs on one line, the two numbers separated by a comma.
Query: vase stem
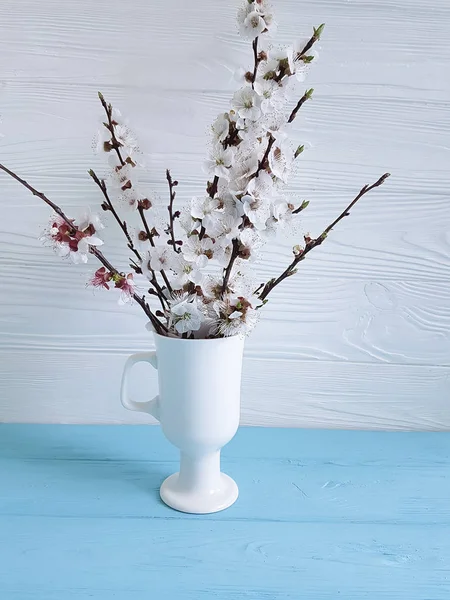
[[200, 472]]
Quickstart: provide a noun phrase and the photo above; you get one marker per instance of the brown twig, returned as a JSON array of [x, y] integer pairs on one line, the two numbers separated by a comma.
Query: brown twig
[[255, 55], [211, 188], [227, 274], [115, 144], [306, 96], [40, 195], [172, 194], [284, 71], [92, 249], [140, 300], [313, 39], [122, 224], [152, 243], [313, 243], [263, 162]]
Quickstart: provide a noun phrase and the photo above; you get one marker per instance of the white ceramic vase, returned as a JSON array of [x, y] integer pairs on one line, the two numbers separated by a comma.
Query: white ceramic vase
[[198, 407]]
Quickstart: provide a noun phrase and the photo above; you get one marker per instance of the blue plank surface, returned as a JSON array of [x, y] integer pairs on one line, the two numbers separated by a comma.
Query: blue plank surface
[[321, 514]]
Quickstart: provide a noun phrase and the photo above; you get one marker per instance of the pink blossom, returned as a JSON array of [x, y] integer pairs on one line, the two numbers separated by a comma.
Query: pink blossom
[[127, 287], [74, 240], [101, 278]]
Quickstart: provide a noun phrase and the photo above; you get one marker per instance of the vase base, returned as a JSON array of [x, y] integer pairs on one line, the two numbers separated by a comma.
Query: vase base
[[199, 503]]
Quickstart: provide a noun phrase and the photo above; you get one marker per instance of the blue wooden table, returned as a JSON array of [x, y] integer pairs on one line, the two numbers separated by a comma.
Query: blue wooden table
[[322, 514]]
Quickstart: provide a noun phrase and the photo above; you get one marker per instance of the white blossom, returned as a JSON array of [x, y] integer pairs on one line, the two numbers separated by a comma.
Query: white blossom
[[220, 127], [203, 206], [185, 315], [88, 219], [121, 176], [222, 252], [219, 161], [187, 222], [276, 125], [185, 272], [158, 258], [233, 316], [242, 76], [252, 26], [225, 227], [261, 186], [241, 172], [281, 159], [198, 251], [246, 102], [244, 10], [257, 210], [249, 243], [268, 69], [126, 139], [297, 65], [101, 141], [74, 242], [282, 217], [272, 95]]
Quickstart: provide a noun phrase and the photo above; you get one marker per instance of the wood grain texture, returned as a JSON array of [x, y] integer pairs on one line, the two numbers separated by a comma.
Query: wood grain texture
[[368, 317], [76, 387], [321, 515]]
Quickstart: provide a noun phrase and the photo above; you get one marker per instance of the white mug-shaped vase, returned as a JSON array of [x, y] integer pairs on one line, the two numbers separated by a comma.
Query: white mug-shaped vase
[[198, 407]]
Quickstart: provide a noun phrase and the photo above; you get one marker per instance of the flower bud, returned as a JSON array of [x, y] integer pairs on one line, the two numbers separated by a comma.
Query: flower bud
[[145, 204], [318, 31]]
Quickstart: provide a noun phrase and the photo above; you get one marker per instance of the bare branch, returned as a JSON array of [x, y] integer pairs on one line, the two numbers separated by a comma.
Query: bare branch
[[159, 327], [211, 188], [172, 194], [40, 195], [313, 243], [115, 144], [150, 236], [256, 59], [306, 96], [122, 224], [228, 270]]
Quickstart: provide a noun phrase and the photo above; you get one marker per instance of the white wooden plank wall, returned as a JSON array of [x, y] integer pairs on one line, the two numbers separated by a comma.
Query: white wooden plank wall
[[361, 337]]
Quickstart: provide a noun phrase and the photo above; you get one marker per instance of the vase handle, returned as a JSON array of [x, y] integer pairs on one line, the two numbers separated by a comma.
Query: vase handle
[[151, 406]]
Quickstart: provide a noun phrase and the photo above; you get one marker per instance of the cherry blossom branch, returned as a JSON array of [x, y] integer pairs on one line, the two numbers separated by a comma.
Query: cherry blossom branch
[[140, 300], [263, 162], [285, 72], [313, 243], [317, 32], [109, 206], [92, 249], [306, 96], [172, 194], [40, 195], [256, 58], [150, 236], [228, 270], [123, 226], [211, 188], [115, 144]]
